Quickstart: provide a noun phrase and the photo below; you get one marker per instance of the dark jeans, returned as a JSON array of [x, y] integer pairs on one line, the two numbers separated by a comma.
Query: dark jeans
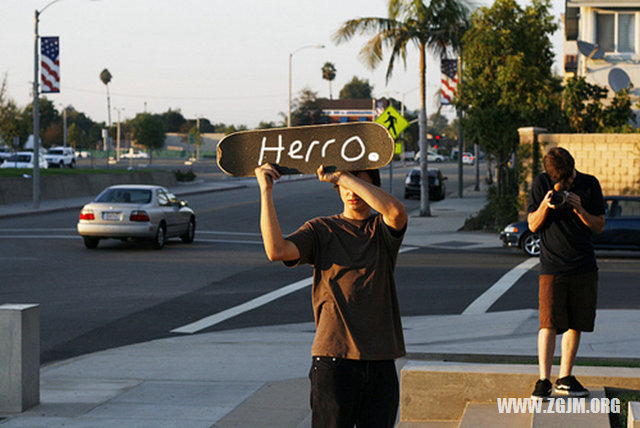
[[345, 393]]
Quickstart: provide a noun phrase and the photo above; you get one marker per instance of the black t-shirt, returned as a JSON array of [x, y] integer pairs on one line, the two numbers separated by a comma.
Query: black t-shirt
[[565, 240]]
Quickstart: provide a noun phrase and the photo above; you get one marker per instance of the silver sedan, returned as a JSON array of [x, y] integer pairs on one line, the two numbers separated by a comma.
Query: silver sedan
[[134, 211]]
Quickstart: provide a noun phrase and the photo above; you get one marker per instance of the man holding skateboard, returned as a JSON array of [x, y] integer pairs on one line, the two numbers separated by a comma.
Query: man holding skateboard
[[358, 328]]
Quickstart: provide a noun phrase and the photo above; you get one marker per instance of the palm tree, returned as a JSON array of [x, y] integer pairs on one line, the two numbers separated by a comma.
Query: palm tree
[[329, 73], [105, 77], [437, 25]]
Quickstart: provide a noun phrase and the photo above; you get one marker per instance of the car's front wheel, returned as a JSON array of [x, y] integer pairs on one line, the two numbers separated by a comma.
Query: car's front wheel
[[191, 231], [531, 244], [161, 237], [90, 242]]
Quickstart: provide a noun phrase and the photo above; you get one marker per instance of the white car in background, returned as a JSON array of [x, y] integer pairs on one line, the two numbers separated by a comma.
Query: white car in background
[[23, 160], [468, 158], [134, 154], [431, 157], [136, 211], [61, 156]]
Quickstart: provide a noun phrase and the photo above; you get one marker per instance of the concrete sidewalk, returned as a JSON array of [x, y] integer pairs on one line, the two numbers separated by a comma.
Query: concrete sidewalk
[[256, 377]]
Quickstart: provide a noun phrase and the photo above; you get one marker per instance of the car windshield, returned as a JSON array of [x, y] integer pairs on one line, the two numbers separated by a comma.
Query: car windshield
[[55, 152], [123, 195], [19, 158]]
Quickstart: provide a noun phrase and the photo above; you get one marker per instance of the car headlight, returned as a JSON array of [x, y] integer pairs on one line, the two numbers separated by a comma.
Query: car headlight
[[511, 229]]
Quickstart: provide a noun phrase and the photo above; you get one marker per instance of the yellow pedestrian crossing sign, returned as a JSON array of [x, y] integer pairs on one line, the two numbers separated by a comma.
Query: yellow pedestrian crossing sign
[[393, 121]]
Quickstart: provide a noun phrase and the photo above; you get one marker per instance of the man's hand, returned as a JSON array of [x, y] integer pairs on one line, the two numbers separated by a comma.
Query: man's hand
[[576, 202], [329, 176], [266, 175], [547, 200]]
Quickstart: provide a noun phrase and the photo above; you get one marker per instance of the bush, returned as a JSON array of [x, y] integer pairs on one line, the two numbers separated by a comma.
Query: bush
[[499, 211], [185, 176]]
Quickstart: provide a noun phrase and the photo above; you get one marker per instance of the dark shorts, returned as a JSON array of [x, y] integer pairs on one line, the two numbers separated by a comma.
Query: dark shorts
[[568, 301], [347, 393]]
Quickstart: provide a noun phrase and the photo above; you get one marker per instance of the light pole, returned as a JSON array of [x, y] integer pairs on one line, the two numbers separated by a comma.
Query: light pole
[[64, 125], [118, 134], [290, 65], [36, 109]]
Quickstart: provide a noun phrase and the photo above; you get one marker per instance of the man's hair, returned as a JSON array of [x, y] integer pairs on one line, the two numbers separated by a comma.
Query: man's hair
[[374, 174], [559, 164]]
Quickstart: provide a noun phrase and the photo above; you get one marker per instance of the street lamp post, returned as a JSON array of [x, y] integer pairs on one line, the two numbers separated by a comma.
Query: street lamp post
[[36, 110], [290, 66], [118, 134]]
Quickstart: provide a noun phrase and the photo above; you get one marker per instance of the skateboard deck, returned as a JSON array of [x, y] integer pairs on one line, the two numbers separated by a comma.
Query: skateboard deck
[[301, 150]]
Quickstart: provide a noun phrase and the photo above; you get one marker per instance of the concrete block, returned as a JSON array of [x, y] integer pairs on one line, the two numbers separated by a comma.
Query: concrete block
[[19, 357], [633, 416], [441, 390], [487, 415], [560, 414]]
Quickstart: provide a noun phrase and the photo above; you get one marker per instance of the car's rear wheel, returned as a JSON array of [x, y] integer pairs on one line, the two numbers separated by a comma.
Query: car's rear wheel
[[90, 242], [531, 244], [191, 231], [161, 237]]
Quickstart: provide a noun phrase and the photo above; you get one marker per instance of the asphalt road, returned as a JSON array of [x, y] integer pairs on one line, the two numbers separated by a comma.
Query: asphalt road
[[126, 293]]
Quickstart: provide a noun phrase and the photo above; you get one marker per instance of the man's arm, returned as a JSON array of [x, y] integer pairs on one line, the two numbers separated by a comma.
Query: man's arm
[[536, 218], [593, 222], [392, 210], [275, 246]]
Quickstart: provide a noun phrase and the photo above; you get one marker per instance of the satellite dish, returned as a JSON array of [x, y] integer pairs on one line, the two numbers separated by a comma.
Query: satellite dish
[[618, 79], [590, 50]]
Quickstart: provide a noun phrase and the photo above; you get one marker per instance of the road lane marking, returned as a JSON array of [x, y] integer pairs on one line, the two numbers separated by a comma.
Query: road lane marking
[[219, 317], [219, 232], [245, 307], [227, 241], [489, 297], [39, 236]]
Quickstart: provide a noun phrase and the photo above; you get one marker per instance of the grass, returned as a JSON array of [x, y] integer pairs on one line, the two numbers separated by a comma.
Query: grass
[[619, 420]]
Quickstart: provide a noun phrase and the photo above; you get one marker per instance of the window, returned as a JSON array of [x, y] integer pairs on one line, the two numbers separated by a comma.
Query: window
[[163, 199], [628, 208], [615, 31]]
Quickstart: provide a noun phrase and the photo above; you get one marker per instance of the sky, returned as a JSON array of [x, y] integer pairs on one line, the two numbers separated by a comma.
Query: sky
[[226, 61]]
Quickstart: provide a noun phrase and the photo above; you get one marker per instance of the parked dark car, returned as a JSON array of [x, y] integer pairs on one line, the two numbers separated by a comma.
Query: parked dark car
[[437, 187], [621, 231]]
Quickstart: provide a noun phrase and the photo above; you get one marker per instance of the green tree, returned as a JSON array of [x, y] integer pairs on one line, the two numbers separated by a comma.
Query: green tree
[[306, 110], [356, 89], [508, 82], [618, 116], [582, 104], [77, 137], [105, 77], [173, 120], [437, 26], [329, 73], [11, 122], [148, 131]]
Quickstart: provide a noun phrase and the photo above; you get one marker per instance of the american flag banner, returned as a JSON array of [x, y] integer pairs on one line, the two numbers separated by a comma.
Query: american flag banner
[[50, 64], [449, 69]]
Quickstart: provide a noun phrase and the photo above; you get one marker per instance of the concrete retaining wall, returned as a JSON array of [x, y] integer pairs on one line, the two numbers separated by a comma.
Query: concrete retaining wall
[[18, 189]]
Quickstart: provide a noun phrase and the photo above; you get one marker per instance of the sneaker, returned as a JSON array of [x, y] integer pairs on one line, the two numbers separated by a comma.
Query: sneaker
[[542, 391], [570, 386]]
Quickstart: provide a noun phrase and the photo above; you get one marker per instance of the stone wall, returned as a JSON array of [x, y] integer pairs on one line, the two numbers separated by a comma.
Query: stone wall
[[613, 158], [19, 189]]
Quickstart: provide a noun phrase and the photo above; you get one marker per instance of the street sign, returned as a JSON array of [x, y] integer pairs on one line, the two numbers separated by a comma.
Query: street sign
[[393, 121]]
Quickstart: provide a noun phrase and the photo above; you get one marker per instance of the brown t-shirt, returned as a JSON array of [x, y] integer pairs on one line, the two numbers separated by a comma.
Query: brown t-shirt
[[354, 296]]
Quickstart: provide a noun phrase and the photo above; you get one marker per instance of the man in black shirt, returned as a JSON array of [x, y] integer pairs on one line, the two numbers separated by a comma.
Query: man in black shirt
[[565, 208]]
